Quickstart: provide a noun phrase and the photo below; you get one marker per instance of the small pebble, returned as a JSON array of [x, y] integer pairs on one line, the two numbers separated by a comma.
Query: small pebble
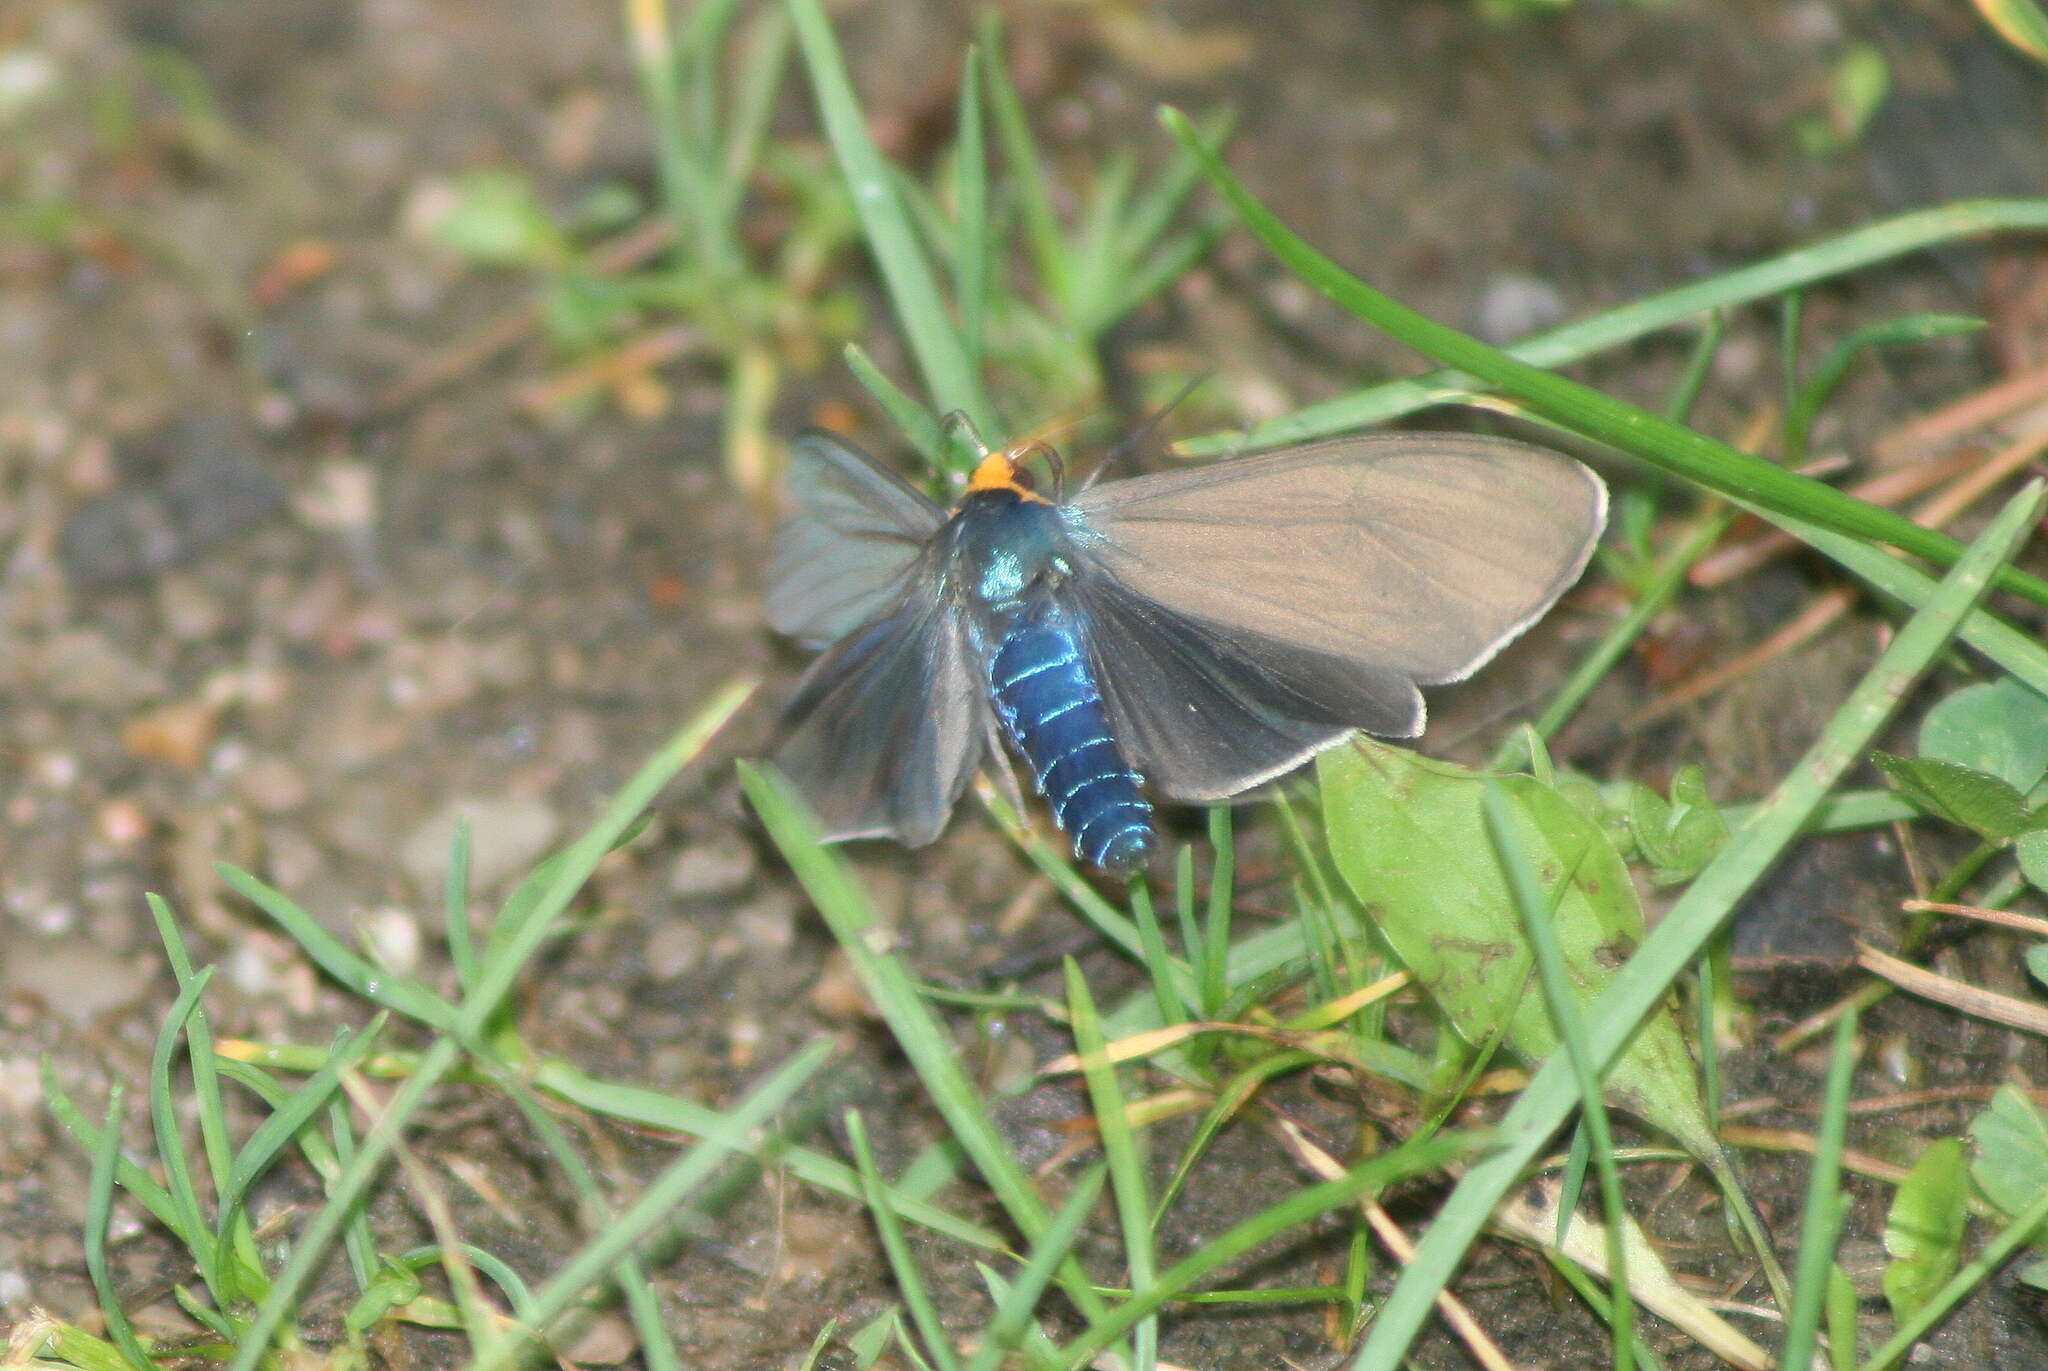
[[272, 785], [506, 835], [190, 611], [74, 977], [82, 666], [21, 1090], [606, 1340], [1514, 306], [674, 948], [393, 939], [121, 822], [178, 733], [711, 869]]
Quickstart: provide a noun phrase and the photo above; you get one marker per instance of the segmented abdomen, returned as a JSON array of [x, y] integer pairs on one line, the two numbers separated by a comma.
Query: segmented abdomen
[[1046, 696]]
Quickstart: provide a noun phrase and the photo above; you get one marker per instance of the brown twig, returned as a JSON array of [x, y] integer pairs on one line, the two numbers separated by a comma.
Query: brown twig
[[472, 351], [2026, 923], [1967, 415]]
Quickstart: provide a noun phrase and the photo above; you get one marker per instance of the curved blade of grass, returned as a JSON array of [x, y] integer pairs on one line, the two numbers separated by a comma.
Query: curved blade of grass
[[970, 212], [455, 906], [896, 1248], [1813, 394], [1821, 1223], [163, 1117], [91, 1137], [2018, 653], [893, 990], [1410, 1159], [1016, 1299], [912, 419], [653, 1109], [213, 1128], [1121, 1149], [99, 1212], [1537, 908], [400, 994], [1856, 250], [2022, 23], [1229, 1100], [292, 1115], [949, 372], [1647, 437], [656, 1205], [500, 966], [1683, 932], [657, 1344]]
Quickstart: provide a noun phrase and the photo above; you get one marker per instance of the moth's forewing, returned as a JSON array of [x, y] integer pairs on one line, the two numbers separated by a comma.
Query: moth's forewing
[[841, 556]]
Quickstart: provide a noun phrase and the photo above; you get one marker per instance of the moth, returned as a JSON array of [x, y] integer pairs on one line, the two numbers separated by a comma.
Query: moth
[[1180, 637]]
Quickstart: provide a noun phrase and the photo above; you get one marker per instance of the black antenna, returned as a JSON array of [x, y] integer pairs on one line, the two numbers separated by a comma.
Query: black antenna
[[1130, 442]]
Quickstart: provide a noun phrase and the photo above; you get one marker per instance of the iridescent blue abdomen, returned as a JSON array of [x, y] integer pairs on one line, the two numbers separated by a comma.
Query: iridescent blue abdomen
[[1046, 697], [1008, 560]]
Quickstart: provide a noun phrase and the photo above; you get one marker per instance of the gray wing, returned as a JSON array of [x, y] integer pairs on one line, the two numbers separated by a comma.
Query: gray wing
[[1204, 712], [888, 726], [1418, 553], [843, 553]]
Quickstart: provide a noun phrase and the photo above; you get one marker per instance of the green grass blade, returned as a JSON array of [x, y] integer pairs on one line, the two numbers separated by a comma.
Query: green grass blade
[[1640, 434], [1027, 181], [91, 1137], [455, 907], [970, 214], [893, 990], [896, 1248], [213, 1126], [912, 419], [1168, 974], [1821, 1225], [99, 1213], [1885, 241], [2018, 653], [948, 373], [500, 966], [1215, 970], [1537, 908], [1153, 211], [163, 1116], [686, 185], [291, 1115], [753, 102], [1122, 1150], [1410, 1159], [400, 994], [653, 1109], [657, 1344], [1016, 1300], [1683, 932], [656, 1205], [1231, 1098]]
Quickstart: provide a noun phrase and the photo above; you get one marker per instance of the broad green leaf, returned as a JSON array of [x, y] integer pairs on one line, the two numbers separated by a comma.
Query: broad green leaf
[[2032, 848], [2021, 23], [1924, 1231], [1408, 836], [498, 219], [1680, 836], [1977, 800], [2011, 1139], [2037, 956], [2000, 727]]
